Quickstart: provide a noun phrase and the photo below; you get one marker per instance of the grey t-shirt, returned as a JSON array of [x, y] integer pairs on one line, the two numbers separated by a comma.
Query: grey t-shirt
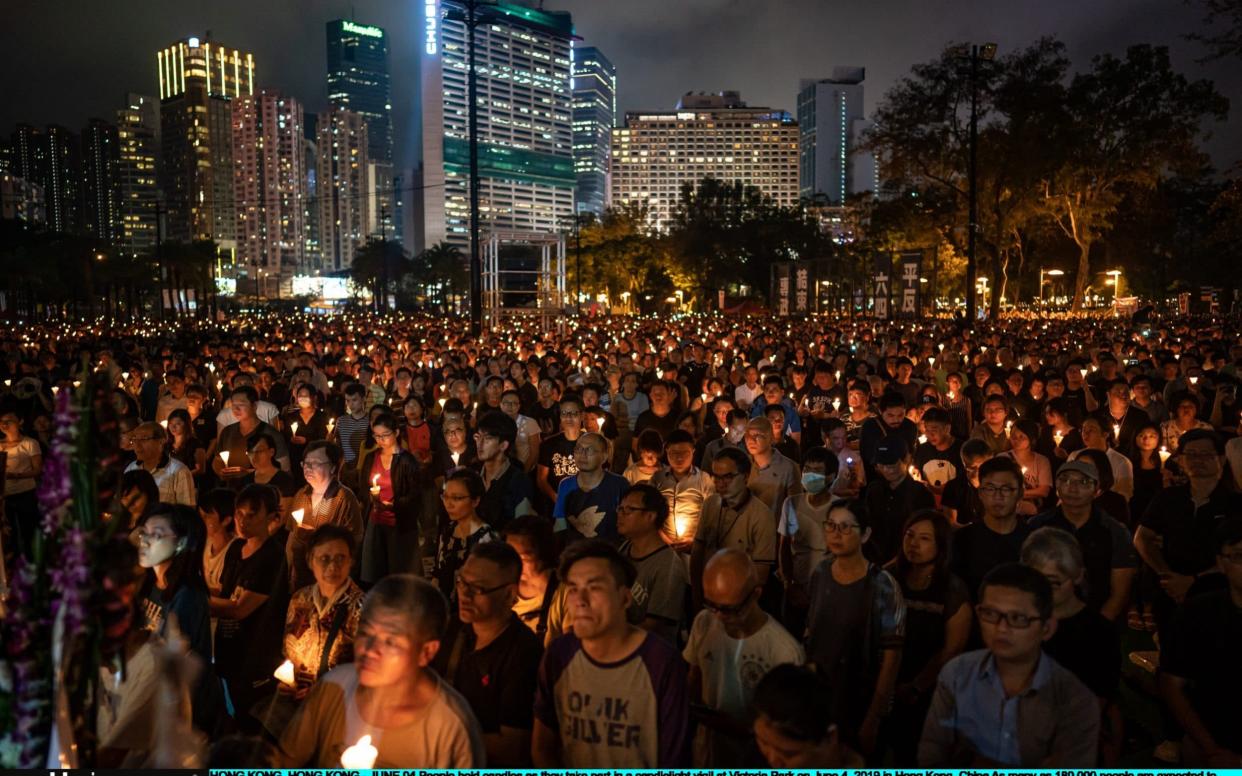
[[659, 590]]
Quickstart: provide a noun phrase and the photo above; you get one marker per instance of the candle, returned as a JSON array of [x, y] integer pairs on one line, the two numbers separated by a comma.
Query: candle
[[375, 488], [836, 404], [600, 422], [1116, 431], [1008, 427], [442, 401], [1057, 436], [456, 457], [294, 428], [298, 514], [914, 472], [951, 396], [164, 423], [1164, 455], [1194, 380], [931, 361], [224, 456], [922, 439], [125, 375], [361, 756], [284, 674]]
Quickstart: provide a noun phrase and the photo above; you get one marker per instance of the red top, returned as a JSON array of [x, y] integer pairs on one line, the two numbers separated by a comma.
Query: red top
[[418, 441], [382, 514]]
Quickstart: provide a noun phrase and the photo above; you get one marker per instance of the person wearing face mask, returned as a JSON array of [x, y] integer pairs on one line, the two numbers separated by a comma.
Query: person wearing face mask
[[733, 435], [732, 517], [801, 528], [306, 422]]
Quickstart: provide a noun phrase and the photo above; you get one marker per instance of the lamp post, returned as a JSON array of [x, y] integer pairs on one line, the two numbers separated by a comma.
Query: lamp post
[[975, 53], [1115, 274], [472, 16], [1052, 273]]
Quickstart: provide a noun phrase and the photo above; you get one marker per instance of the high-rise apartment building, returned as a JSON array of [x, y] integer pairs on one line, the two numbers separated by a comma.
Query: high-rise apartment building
[[525, 121], [269, 185], [101, 182], [21, 200], [310, 163], [595, 114], [358, 81], [138, 132], [198, 80], [831, 121], [341, 187], [708, 135]]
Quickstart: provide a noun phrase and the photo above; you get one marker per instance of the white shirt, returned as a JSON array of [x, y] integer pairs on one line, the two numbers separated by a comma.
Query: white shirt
[[731, 669], [803, 524], [18, 459], [685, 499], [174, 480], [745, 396]]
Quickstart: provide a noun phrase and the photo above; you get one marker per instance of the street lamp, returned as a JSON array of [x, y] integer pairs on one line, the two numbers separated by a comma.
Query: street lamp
[[1052, 273], [1115, 274], [981, 287], [976, 54]]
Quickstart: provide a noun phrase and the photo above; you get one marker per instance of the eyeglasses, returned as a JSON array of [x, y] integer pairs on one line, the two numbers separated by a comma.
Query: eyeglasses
[[844, 529], [313, 464], [729, 611], [389, 435], [471, 590], [331, 560], [151, 537], [994, 490], [1015, 620], [727, 477]]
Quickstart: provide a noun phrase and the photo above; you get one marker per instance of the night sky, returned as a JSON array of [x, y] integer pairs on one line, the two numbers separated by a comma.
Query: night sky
[[67, 60]]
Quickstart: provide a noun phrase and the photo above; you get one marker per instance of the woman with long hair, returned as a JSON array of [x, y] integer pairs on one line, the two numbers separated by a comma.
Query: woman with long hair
[[463, 527], [184, 446], [938, 619], [1036, 468]]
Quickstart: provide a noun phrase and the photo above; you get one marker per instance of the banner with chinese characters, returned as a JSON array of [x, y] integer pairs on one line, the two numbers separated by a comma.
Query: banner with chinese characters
[[882, 291], [911, 264], [781, 288]]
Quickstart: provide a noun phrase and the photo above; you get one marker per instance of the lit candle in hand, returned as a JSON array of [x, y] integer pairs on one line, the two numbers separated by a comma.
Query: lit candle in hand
[[922, 439], [1057, 436], [361, 756], [375, 488], [1164, 455], [456, 457], [298, 516], [600, 422], [294, 428], [224, 456], [284, 674]]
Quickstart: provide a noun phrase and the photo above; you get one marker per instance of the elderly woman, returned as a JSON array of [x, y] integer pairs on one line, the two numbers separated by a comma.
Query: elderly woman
[[323, 617], [323, 501], [410, 715]]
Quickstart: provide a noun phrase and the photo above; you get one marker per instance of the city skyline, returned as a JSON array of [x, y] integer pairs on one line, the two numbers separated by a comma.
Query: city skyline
[[696, 40]]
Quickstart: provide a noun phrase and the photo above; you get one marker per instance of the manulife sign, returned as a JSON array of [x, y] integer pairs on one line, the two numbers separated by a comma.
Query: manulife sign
[[359, 29]]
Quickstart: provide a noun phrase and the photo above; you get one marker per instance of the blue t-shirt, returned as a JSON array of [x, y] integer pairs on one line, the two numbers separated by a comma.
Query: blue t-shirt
[[589, 514]]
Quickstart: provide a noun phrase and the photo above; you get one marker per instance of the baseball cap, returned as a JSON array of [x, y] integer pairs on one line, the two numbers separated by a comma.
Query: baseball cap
[[1085, 468]]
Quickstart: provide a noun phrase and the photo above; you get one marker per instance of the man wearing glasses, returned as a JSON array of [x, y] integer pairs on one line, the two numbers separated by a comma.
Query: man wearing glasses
[[1009, 705], [733, 644], [1175, 535], [732, 517], [586, 503], [1108, 553], [997, 538], [490, 657], [324, 500]]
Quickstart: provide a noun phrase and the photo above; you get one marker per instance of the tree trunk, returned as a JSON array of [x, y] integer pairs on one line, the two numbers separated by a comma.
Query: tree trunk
[[1083, 276]]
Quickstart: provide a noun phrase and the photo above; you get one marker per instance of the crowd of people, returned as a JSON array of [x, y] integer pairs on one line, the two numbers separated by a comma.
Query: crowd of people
[[654, 543]]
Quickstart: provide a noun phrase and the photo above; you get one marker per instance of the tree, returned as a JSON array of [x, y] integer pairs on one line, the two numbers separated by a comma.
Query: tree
[[1128, 123], [442, 273], [1225, 18], [620, 254], [378, 265]]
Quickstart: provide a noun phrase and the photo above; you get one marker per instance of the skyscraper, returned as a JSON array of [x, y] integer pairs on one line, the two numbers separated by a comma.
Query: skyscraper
[[341, 178], [198, 79], [101, 181], [269, 185], [830, 118], [138, 130], [62, 179], [358, 81], [525, 128], [595, 113], [708, 135], [310, 164]]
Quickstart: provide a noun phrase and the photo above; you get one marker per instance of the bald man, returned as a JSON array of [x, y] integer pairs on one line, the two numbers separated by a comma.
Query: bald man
[[773, 475], [733, 643]]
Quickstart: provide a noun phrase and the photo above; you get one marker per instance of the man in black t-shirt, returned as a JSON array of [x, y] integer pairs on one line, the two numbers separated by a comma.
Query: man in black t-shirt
[[997, 538], [1200, 674], [960, 499], [251, 607], [490, 657]]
